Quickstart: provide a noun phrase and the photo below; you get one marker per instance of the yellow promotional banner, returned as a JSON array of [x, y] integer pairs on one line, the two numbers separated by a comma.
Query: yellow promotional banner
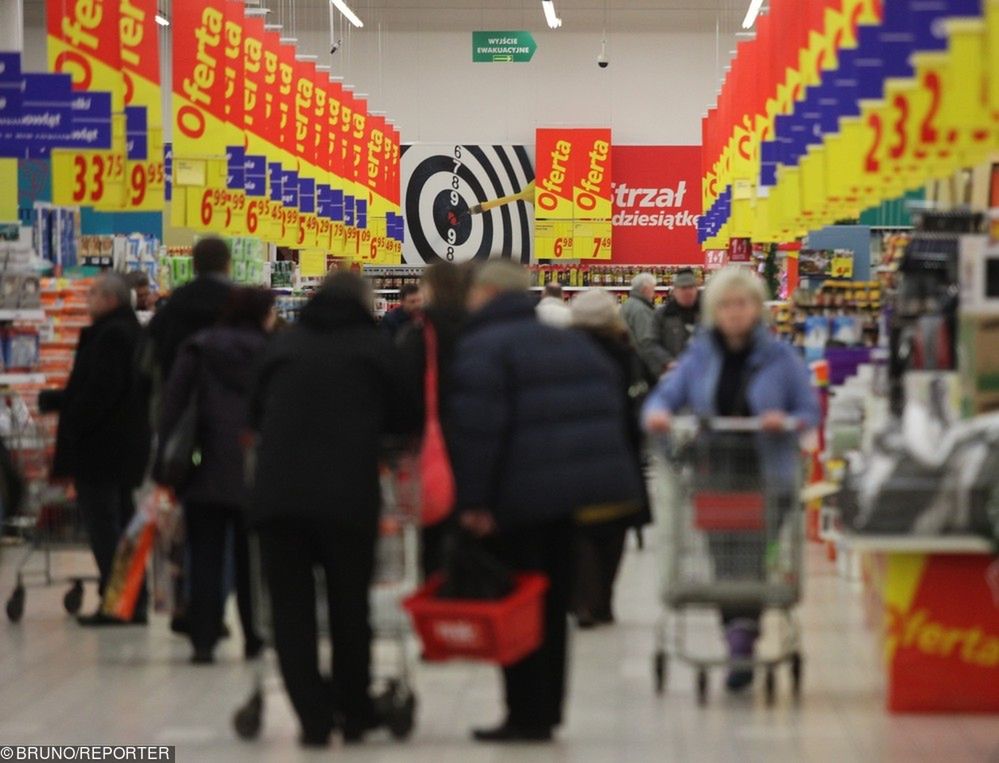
[[140, 61], [234, 77], [86, 45], [966, 110]]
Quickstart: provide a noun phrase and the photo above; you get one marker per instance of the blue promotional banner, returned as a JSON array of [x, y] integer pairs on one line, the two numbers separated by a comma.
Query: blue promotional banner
[[276, 177], [307, 195], [236, 164], [136, 133], [256, 175], [289, 189]]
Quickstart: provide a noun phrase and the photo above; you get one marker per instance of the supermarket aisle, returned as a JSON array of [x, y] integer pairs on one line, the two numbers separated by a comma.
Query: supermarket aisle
[[149, 694]]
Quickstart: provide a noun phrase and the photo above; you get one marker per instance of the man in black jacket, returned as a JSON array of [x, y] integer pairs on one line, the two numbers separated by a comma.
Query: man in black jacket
[[327, 393], [536, 431], [103, 439], [194, 306], [677, 320]]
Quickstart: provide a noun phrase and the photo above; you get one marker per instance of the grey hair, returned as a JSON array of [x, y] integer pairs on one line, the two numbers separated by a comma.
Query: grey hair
[[642, 280], [115, 286], [729, 279], [503, 275]]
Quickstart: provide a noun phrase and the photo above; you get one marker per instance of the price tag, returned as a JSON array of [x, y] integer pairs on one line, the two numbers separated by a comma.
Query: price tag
[[553, 240], [350, 246], [89, 178], [592, 239], [146, 185]]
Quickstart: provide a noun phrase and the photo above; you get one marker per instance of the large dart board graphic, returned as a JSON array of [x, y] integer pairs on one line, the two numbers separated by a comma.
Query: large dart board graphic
[[442, 184]]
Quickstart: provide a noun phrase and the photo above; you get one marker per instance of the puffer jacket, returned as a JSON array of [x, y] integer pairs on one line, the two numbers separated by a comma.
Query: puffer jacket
[[778, 380], [640, 314], [535, 419], [218, 366], [676, 326]]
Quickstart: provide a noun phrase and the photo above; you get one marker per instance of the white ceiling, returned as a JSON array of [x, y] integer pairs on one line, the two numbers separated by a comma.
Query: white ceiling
[[458, 15]]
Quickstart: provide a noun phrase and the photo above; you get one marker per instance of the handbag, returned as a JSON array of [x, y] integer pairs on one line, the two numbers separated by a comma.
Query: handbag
[[180, 452], [437, 490]]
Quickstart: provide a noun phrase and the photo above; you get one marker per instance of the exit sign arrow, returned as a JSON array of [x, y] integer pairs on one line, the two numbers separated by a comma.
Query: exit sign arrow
[[503, 47]]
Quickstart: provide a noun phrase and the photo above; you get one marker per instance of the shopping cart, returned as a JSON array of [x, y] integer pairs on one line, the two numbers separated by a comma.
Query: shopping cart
[[49, 520], [732, 538], [397, 575]]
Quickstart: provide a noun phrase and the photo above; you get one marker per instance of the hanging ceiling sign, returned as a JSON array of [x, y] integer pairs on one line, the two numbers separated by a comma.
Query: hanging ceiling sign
[[503, 47]]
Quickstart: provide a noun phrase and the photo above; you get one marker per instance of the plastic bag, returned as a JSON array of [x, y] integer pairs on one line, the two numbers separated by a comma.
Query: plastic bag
[[472, 572], [168, 561], [128, 573]]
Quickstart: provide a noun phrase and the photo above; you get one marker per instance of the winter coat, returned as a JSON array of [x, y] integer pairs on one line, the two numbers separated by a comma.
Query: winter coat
[[104, 434], [535, 419], [639, 315], [329, 390], [778, 381], [395, 321], [448, 324], [631, 390], [675, 326], [193, 307], [218, 366]]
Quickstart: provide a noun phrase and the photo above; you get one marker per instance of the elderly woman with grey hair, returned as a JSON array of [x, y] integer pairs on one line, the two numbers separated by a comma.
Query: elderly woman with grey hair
[[737, 368]]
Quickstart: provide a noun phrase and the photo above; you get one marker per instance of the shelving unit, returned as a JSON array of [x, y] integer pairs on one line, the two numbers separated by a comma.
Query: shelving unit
[[14, 379], [22, 315]]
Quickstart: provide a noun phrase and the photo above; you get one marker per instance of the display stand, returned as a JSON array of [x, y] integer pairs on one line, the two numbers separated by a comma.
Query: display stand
[[936, 602]]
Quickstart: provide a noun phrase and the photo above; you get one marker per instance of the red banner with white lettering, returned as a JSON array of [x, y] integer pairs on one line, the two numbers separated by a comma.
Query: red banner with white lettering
[[657, 200]]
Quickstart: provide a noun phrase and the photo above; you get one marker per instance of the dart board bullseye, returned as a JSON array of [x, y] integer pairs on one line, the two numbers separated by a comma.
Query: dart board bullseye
[[442, 182]]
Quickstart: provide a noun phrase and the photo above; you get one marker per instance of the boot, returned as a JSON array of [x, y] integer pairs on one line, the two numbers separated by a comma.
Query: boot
[[741, 637]]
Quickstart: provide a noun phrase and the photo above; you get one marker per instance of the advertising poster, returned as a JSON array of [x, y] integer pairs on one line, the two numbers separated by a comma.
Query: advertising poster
[[657, 203], [87, 46]]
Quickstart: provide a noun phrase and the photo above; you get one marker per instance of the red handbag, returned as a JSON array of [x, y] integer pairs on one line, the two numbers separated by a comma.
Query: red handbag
[[437, 491]]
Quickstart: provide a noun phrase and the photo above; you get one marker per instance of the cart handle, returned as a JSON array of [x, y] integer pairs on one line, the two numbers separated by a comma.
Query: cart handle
[[693, 424]]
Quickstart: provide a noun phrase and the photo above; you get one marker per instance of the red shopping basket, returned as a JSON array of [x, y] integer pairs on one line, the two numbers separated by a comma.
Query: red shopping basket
[[727, 510], [502, 631]]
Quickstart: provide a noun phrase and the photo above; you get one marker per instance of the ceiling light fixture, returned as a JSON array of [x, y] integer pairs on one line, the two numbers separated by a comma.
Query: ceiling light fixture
[[347, 12], [554, 22], [252, 12], [162, 20], [755, 6]]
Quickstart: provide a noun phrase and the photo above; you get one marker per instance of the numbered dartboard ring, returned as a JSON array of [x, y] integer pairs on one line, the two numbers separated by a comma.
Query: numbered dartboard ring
[[438, 197]]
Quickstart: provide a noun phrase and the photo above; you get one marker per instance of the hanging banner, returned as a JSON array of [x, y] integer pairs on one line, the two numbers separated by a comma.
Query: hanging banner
[[554, 206], [233, 210], [140, 64], [591, 192], [199, 115], [656, 204], [85, 42]]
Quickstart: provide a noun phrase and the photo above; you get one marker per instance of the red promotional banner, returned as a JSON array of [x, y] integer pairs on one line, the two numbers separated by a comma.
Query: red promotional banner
[[199, 79], [657, 202]]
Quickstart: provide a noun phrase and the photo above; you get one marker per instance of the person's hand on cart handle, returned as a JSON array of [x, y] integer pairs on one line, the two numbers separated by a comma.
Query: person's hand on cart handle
[[479, 522], [658, 422], [773, 421]]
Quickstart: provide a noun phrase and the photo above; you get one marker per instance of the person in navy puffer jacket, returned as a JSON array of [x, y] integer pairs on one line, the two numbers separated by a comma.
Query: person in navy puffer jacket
[[536, 431]]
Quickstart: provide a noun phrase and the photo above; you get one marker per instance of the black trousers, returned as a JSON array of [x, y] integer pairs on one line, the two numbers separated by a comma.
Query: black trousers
[[535, 686], [107, 508], [292, 549], [598, 553], [208, 526]]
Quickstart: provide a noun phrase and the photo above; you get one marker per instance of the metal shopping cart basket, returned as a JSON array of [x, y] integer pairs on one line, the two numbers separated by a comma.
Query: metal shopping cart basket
[[397, 575], [732, 532], [49, 520]]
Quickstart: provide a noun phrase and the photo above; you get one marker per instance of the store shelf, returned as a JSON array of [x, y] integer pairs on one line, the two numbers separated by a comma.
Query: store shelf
[[596, 286], [917, 544], [36, 314], [11, 380]]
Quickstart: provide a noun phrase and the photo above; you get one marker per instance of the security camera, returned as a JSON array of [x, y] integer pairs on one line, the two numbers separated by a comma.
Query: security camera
[[334, 47], [602, 61]]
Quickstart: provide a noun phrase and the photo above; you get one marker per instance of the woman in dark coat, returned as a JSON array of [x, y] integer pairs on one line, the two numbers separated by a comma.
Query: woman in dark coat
[[601, 529], [328, 392], [217, 366], [445, 290]]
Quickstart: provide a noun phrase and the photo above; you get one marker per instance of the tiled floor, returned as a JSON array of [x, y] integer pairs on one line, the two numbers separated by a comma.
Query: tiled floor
[[62, 684]]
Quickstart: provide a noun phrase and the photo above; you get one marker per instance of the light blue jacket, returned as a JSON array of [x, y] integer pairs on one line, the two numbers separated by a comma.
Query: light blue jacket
[[779, 381]]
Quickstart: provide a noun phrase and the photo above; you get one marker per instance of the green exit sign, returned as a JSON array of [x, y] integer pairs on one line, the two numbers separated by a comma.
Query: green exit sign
[[502, 47]]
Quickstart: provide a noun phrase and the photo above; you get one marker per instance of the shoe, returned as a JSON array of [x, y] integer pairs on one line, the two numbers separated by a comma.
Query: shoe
[[139, 619], [203, 656], [99, 620], [314, 740], [605, 618], [585, 621], [741, 636], [354, 730], [510, 733]]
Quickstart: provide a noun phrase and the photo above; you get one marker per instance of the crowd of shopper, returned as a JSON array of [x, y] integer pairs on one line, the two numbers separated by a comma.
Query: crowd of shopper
[[541, 408]]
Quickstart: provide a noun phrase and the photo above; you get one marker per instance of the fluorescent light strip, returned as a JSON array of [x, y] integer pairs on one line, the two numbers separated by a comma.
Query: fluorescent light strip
[[554, 22], [347, 12], [162, 20], [252, 12], [751, 13]]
